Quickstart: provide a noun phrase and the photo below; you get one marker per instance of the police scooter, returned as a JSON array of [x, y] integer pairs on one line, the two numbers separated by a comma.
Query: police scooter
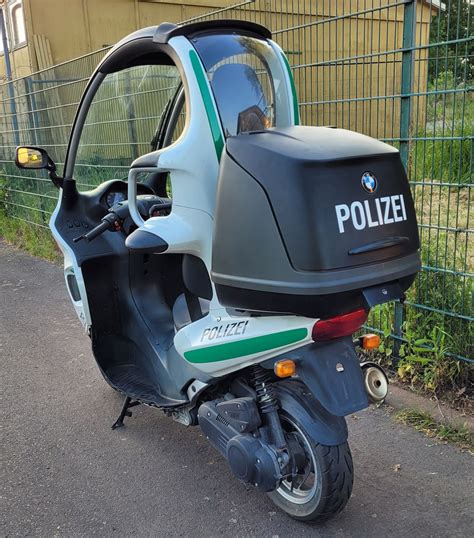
[[232, 304]]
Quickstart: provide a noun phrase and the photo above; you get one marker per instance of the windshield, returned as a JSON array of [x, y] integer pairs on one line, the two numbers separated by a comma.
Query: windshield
[[122, 122], [247, 81]]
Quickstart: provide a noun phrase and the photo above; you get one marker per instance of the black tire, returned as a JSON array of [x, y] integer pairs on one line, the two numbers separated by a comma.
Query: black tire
[[333, 477]]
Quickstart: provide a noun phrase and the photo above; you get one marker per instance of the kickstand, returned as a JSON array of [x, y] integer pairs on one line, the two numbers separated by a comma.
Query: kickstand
[[127, 404]]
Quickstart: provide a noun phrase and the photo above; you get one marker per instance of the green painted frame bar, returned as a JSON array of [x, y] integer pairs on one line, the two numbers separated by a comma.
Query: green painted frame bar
[[214, 122]]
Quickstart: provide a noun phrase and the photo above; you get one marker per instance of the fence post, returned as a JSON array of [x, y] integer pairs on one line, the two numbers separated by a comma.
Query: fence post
[[409, 29]]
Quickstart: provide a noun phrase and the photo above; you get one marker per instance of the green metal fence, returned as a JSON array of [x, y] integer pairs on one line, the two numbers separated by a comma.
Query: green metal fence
[[41, 113], [398, 70]]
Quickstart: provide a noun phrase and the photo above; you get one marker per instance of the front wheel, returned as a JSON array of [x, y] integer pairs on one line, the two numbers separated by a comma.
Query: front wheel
[[321, 483]]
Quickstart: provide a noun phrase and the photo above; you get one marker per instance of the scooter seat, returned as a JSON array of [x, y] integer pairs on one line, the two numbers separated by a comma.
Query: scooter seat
[[181, 315]]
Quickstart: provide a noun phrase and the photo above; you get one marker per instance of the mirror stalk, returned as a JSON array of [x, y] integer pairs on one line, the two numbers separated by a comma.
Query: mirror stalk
[[57, 180]]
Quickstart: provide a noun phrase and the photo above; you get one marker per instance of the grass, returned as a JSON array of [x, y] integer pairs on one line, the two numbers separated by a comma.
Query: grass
[[440, 166], [431, 337], [447, 208], [423, 422], [423, 361], [35, 240], [442, 146]]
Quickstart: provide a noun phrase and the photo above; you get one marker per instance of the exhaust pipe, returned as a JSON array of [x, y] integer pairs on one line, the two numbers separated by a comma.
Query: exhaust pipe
[[376, 381]]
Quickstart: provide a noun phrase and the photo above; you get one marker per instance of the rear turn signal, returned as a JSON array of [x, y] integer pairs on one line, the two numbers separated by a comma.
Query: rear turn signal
[[285, 368], [345, 325], [370, 341]]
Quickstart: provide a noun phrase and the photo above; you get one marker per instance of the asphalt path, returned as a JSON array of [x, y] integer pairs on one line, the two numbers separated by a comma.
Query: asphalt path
[[64, 471]]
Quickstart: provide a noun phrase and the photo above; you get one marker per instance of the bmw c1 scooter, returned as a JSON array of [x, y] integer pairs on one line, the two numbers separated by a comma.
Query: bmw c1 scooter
[[233, 304]]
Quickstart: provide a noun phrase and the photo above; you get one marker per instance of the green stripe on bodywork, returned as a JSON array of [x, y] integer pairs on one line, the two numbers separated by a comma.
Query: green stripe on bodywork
[[249, 346], [208, 103], [296, 110]]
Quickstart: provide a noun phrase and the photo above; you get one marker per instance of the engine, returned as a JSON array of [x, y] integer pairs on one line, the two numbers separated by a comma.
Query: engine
[[230, 426]]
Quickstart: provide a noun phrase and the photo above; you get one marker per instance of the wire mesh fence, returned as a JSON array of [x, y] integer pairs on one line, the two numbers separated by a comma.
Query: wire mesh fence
[[398, 70], [39, 110]]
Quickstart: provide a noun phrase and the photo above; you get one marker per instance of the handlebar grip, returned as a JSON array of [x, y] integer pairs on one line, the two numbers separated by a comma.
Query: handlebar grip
[[101, 228]]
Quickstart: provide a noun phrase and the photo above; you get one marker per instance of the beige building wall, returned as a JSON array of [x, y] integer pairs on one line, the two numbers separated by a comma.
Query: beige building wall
[[59, 30], [335, 93]]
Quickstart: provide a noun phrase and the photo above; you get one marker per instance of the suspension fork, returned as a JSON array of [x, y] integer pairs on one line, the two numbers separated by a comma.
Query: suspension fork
[[268, 405]]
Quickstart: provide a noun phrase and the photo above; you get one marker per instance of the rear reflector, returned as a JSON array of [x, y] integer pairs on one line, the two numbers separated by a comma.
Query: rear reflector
[[345, 325]]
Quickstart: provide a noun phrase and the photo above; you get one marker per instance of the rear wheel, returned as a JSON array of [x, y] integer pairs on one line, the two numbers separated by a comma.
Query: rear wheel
[[321, 483]]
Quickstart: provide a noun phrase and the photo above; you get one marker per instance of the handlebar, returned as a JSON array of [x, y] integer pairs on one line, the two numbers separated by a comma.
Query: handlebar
[[101, 228], [107, 223], [132, 194], [148, 205]]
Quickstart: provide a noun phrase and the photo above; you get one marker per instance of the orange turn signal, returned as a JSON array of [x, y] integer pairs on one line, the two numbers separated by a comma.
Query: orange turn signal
[[285, 368], [370, 341]]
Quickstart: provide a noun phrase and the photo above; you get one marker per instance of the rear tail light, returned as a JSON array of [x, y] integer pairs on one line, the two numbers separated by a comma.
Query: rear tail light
[[345, 325]]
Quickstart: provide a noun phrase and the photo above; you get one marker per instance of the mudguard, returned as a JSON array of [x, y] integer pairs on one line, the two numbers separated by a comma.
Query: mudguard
[[332, 372], [295, 398]]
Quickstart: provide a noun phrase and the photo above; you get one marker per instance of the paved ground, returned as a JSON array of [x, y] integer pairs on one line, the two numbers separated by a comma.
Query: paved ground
[[66, 473]]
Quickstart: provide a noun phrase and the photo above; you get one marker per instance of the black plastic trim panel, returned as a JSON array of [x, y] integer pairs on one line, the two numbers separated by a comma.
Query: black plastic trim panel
[[146, 242], [167, 30]]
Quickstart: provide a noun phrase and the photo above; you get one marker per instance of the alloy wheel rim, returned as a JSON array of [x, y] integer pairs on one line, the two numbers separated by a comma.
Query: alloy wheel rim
[[306, 486]]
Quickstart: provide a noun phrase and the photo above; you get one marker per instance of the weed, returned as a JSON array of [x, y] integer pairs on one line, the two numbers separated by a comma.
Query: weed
[[423, 422], [33, 239], [381, 318], [424, 361], [448, 292], [433, 335]]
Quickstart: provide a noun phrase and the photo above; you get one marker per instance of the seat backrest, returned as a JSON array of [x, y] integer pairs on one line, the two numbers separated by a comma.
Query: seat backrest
[[196, 277]]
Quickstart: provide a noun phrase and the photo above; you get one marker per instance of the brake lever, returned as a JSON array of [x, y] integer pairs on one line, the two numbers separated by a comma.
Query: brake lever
[[156, 209]]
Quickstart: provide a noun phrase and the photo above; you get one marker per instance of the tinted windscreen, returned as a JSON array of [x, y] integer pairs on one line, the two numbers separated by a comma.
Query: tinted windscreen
[[247, 82], [122, 121]]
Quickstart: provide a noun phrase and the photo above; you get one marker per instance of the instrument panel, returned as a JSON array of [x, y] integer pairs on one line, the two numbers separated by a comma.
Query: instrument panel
[[117, 192], [114, 197]]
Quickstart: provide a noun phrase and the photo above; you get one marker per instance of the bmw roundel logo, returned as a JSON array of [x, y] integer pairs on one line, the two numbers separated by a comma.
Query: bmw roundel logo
[[369, 182]]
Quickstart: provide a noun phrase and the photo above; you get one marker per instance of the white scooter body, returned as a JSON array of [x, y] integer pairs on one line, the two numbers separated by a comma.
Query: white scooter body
[[193, 164], [202, 334]]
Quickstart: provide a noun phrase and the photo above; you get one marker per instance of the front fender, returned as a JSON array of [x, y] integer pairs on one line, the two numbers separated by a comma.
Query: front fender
[[296, 400]]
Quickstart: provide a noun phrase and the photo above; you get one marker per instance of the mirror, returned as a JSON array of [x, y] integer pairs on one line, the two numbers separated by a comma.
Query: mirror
[[33, 158]]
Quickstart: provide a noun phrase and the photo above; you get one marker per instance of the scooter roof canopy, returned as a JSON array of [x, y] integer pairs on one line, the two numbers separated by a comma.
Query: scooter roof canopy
[[166, 30], [150, 45]]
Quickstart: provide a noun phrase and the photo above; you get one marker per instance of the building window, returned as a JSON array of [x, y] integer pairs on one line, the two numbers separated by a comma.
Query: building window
[[1, 43], [1, 35], [18, 23]]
